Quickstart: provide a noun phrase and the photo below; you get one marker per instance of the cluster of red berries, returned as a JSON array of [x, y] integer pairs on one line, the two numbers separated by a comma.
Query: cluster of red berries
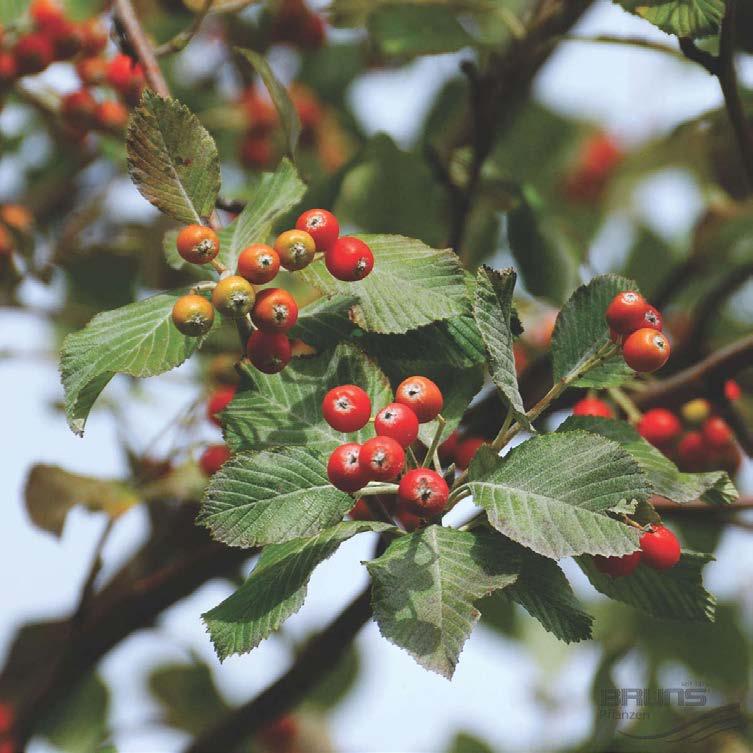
[[593, 168], [54, 37], [273, 311], [697, 440], [351, 466], [637, 325], [659, 549]]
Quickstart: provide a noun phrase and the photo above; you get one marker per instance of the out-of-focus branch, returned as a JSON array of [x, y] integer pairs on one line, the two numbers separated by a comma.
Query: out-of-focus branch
[[664, 506], [181, 40]]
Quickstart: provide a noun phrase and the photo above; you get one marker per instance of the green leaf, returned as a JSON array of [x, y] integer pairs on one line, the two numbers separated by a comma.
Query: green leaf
[[275, 194], [78, 724], [286, 408], [411, 285], [172, 158], [272, 496], [291, 123], [465, 742], [674, 594], [139, 339], [581, 330], [666, 480], [326, 321], [552, 493], [426, 585], [547, 268], [544, 592], [275, 589], [188, 696], [685, 18], [51, 492], [337, 682], [12, 10], [417, 30], [492, 308]]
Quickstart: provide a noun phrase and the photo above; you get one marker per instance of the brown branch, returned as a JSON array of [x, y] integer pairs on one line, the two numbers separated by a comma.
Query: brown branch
[[697, 55], [666, 506], [317, 658], [141, 45]]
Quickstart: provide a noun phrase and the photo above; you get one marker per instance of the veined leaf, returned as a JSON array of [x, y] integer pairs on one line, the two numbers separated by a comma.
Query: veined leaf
[[411, 285], [685, 18], [426, 585], [552, 494], [286, 408], [325, 322], [275, 589], [581, 330], [674, 594], [139, 339], [492, 308], [172, 158], [272, 496], [291, 123], [666, 480]]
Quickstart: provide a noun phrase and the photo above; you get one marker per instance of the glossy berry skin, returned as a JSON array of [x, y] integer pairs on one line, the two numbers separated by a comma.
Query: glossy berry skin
[[659, 426], [382, 459], [213, 458], [618, 567], [259, 263], [717, 433], [193, 315], [296, 249], [275, 310], [349, 259], [79, 108], [346, 408], [269, 352], [344, 468], [626, 312], [660, 548], [695, 412], [321, 225], [218, 401], [652, 319], [33, 53], [423, 492], [233, 296], [399, 422], [198, 244], [422, 396], [732, 390], [592, 406], [111, 116], [466, 449], [646, 350], [692, 453]]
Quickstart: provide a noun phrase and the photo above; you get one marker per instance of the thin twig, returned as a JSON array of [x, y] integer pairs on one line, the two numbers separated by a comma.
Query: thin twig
[[181, 40]]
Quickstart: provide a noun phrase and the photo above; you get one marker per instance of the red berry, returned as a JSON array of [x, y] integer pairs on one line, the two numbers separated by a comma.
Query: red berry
[[346, 408], [716, 432], [45, 13], [618, 567], [79, 108], [659, 426], [8, 69], [660, 547], [213, 458], [407, 519], [344, 468], [652, 319], [382, 459], [626, 312], [321, 225], [111, 116], [646, 350], [732, 390], [399, 422], [33, 53], [92, 71], [692, 452], [197, 244], [259, 263], [94, 36], [422, 396], [448, 448], [124, 74], [270, 352], [592, 406], [360, 511], [466, 449], [275, 310], [256, 151], [349, 259], [218, 401], [67, 39], [424, 492]]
